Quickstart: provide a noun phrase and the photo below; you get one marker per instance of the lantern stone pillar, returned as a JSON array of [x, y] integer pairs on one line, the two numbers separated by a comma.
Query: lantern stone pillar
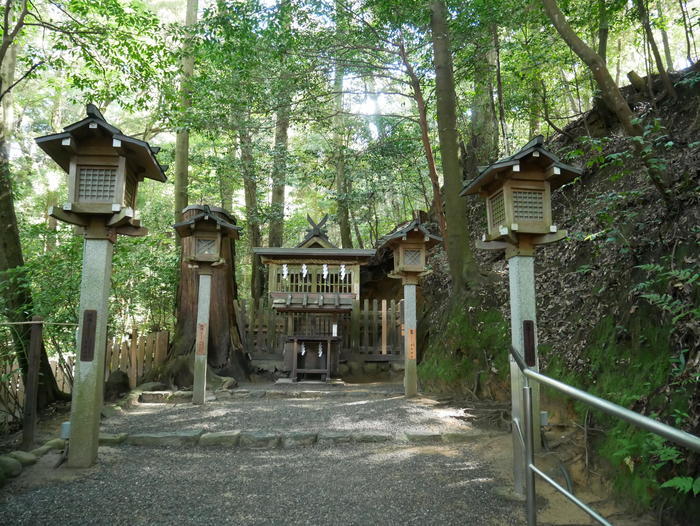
[[521, 276], [410, 243], [88, 383], [410, 379], [199, 388], [518, 193], [206, 231], [104, 168]]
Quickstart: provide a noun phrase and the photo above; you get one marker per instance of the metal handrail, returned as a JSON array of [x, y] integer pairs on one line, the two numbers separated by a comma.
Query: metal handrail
[[671, 433]]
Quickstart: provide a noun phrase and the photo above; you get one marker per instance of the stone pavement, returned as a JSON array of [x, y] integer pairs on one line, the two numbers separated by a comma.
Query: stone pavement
[[296, 454]]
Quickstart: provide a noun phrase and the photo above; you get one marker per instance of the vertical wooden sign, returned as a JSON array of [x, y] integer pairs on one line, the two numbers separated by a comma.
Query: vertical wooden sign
[[201, 339], [529, 342], [411, 344], [87, 335]]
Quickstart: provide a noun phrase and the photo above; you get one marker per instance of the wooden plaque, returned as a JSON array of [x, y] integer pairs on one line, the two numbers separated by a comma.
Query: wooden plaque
[[529, 342], [201, 339], [411, 344], [87, 336]]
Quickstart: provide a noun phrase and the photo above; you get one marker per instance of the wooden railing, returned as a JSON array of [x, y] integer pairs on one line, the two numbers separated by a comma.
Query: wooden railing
[[133, 354], [371, 330]]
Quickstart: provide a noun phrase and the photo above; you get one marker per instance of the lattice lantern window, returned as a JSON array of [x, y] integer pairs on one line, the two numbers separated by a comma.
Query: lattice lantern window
[[207, 246], [102, 184], [409, 257], [520, 206]]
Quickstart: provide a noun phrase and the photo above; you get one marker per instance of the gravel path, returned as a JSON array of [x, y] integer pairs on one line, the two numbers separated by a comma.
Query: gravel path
[[386, 415], [348, 484], [356, 485]]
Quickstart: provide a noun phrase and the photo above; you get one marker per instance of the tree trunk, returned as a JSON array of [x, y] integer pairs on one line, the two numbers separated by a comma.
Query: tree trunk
[[341, 177], [425, 139], [16, 302], [499, 92], [281, 141], [644, 18], [664, 38], [603, 31], [534, 115], [483, 142], [688, 31], [609, 90], [463, 268], [279, 172], [182, 139], [612, 97], [250, 190], [225, 352]]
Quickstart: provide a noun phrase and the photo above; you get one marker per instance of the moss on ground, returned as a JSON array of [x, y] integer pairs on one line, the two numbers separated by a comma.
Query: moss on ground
[[467, 352]]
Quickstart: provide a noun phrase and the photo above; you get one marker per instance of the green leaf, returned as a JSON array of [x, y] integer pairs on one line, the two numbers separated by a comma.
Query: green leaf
[[682, 484]]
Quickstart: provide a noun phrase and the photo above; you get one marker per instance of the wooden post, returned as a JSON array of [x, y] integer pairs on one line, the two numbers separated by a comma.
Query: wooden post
[[365, 327], [384, 327], [162, 340], [150, 346], [392, 326], [124, 357], [374, 340], [114, 364], [140, 356], [32, 387], [260, 323], [132, 358], [271, 330], [355, 327]]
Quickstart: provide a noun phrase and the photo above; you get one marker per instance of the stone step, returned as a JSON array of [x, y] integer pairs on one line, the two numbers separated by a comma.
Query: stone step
[[262, 439], [165, 397]]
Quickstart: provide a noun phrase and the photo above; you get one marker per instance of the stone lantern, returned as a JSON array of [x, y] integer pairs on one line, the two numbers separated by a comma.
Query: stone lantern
[[517, 191], [104, 169], [207, 228], [410, 243]]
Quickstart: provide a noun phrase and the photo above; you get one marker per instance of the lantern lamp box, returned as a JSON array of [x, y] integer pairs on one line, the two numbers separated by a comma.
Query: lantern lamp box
[[104, 169], [518, 191], [410, 243], [208, 227]]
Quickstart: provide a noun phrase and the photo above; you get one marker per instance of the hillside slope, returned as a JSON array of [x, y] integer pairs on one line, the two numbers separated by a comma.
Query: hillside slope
[[617, 302]]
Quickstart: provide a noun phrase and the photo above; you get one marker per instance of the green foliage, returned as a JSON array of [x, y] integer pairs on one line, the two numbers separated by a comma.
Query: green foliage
[[672, 290], [469, 345]]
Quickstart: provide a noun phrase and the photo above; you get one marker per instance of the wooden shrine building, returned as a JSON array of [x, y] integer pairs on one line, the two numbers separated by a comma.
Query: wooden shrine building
[[313, 318]]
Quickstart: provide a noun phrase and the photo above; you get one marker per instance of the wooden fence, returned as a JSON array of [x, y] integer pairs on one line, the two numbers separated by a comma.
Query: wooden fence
[[135, 355], [371, 333]]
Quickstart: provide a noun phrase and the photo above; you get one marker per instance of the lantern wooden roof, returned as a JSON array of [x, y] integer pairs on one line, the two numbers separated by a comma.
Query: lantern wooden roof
[[61, 146], [415, 227], [532, 155], [210, 215]]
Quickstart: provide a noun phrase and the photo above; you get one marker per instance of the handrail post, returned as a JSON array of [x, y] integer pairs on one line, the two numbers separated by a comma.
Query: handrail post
[[530, 497]]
